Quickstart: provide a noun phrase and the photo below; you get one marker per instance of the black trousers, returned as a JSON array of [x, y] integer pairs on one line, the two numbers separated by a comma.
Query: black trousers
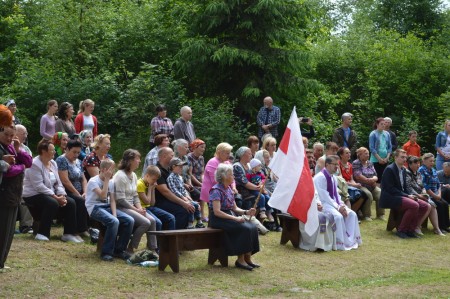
[[8, 216]]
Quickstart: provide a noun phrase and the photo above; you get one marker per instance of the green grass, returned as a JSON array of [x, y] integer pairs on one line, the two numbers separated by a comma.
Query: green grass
[[384, 266]]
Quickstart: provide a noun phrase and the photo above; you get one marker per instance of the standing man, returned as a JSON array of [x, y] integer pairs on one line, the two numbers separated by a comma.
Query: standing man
[[345, 136], [160, 124], [268, 118], [394, 196], [183, 127], [387, 127]]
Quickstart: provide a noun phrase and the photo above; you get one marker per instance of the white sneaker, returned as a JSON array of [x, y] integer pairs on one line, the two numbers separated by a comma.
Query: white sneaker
[[79, 238], [70, 238], [40, 237]]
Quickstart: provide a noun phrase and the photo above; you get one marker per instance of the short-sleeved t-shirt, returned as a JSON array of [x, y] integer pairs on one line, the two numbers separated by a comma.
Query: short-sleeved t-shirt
[[92, 199], [142, 188], [74, 171], [161, 181]]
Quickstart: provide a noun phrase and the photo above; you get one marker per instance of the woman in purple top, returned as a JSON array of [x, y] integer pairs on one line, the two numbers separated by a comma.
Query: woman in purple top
[[48, 120], [365, 174], [222, 155]]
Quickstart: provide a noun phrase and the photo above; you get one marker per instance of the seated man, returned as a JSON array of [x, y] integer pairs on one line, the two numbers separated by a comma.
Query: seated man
[[444, 179], [347, 229], [166, 199], [394, 196]]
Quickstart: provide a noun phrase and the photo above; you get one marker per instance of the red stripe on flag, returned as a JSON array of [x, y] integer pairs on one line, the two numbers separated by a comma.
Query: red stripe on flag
[[284, 144], [303, 195]]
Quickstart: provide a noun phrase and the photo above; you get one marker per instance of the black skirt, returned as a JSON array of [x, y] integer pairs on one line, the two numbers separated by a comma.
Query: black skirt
[[239, 238]]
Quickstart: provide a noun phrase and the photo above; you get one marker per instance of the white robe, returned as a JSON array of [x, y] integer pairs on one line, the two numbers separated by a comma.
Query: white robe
[[348, 235], [325, 241]]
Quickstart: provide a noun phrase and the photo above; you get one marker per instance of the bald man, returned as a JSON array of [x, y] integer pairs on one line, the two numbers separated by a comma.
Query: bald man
[[268, 118], [183, 127]]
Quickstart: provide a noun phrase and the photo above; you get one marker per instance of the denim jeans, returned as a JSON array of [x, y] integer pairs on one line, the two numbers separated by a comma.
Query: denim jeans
[[263, 200], [121, 226], [181, 214], [162, 217]]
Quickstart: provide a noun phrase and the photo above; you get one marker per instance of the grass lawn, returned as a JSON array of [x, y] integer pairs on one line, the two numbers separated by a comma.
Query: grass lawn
[[385, 266]]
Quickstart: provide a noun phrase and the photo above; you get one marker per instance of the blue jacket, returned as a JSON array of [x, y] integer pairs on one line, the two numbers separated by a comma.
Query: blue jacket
[[441, 140], [374, 142]]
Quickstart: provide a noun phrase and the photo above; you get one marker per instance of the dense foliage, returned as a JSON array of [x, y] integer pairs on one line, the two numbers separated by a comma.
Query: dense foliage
[[370, 57]]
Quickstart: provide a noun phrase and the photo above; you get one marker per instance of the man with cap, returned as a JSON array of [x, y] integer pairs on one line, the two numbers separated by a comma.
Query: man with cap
[[345, 136], [11, 104], [165, 198]]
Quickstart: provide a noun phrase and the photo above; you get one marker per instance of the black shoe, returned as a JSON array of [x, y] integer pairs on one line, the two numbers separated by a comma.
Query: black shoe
[[402, 235], [107, 258], [26, 229], [412, 235], [253, 265], [245, 267], [122, 255]]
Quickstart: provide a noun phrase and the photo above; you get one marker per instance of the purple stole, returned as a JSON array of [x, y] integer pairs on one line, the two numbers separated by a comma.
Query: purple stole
[[323, 222], [331, 187]]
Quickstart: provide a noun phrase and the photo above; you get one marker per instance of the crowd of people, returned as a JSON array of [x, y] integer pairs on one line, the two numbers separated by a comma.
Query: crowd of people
[[73, 177]]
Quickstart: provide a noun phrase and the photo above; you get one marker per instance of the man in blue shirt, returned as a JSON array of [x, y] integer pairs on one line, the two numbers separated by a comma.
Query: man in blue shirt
[[345, 136]]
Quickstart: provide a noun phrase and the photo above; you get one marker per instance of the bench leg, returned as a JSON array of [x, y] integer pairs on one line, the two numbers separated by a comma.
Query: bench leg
[[217, 254], [291, 232], [168, 253]]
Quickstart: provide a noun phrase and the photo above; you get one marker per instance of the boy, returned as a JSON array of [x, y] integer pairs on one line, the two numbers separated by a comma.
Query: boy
[[411, 147], [146, 191], [257, 178], [101, 206], [175, 184]]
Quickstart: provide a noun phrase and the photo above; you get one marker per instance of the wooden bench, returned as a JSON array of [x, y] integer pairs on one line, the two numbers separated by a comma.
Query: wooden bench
[[291, 231], [171, 242], [395, 218]]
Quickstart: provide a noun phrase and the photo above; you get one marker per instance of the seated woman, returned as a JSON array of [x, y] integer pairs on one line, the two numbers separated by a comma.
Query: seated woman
[[357, 198], [160, 141], [433, 188], [72, 177], [86, 141], [240, 237], [125, 186], [365, 174], [414, 186], [270, 145], [44, 191], [197, 168], [60, 140], [91, 164]]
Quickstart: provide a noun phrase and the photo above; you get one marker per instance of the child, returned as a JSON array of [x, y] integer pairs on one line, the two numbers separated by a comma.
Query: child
[[175, 184], [257, 178], [101, 206], [146, 191], [411, 147]]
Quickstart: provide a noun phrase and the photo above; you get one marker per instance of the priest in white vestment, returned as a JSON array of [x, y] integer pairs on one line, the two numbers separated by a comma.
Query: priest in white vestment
[[348, 235], [324, 237]]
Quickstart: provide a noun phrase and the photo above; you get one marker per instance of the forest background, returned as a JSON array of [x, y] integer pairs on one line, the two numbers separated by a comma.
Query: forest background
[[222, 57]]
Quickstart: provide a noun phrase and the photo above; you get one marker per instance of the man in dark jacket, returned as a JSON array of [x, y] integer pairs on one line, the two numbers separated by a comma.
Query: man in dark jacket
[[345, 136], [394, 196]]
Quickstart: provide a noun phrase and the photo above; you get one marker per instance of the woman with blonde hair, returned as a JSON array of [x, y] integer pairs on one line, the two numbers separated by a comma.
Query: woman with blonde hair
[[85, 120], [91, 164], [443, 146]]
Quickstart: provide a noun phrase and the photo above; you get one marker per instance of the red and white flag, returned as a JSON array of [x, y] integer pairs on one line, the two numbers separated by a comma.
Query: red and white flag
[[294, 192]]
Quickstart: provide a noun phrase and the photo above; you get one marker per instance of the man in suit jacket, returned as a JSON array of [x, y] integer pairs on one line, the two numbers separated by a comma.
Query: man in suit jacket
[[394, 196]]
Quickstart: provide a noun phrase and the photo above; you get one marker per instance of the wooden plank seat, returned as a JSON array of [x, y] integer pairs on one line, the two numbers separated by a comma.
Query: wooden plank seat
[[171, 242], [291, 231]]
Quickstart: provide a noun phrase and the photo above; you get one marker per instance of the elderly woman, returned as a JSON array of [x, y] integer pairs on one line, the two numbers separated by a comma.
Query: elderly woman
[[222, 155], [14, 162], [433, 188], [71, 174], [85, 120], [443, 146], [160, 141], [181, 149], [240, 237], [346, 171], [44, 191], [48, 120], [102, 144], [65, 122], [11, 105], [126, 195], [414, 186], [160, 124], [60, 140], [86, 141], [380, 147], [365, 174]]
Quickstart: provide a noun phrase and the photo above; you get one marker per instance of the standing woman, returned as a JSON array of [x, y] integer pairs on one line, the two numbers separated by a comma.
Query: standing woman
[[433, 188], [127, 198], [15, 161], [240, 237], [443, 146], [160, 124], [85, 120], [48, 120], [380, 147], [91, 164], [65, 122]]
